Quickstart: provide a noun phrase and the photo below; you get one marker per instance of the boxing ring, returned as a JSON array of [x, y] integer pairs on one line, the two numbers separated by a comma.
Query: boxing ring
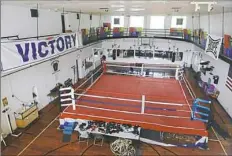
[[133, 94]]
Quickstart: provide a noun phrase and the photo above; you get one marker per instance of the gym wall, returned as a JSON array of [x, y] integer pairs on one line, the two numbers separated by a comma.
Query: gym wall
[[49, 22], [221, 69], [162, 44], [147, 20], [19, 22], [41, 76], [214, 24]]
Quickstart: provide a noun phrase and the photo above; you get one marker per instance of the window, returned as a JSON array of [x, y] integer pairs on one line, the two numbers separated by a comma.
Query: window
[[136, 21], [117, 21], [178, 22], [157, 22]]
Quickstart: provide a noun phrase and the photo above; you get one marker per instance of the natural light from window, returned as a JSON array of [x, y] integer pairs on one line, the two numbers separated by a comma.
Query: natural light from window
[[117, 21], [137, 21], [179, 22], [157, 22]]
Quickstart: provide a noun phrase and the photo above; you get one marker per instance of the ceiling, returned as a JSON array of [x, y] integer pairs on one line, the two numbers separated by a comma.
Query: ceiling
[[128, 7]]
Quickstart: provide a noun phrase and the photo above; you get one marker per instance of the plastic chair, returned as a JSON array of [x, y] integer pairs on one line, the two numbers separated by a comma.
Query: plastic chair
[[100, 138], [84, 137], [2, 139]]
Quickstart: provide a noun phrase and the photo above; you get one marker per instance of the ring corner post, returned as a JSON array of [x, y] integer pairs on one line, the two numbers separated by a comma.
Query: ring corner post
[[143, 104], [73, 99]]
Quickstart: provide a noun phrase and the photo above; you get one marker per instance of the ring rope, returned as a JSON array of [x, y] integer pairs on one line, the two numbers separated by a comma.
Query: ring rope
[[128, 112], [134, 121], [123, 99]]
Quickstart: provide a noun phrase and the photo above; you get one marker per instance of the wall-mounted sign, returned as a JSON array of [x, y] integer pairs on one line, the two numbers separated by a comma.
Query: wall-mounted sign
[[229, 79], [25, 52], [213, 46], [55, 66], [5, 102]]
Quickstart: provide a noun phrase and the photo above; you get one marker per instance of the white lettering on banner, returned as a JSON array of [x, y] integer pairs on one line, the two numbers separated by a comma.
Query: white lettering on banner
[[213, 46], [21, 53]]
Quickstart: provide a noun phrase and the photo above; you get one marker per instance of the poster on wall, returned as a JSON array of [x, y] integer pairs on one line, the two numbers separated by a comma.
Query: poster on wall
[[5, 102], [213, 46], [19, 53], [229, 79]]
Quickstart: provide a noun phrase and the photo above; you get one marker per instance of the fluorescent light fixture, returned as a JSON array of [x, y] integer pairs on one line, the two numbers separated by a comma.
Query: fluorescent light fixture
[[121, 2], [136, 6], [117, 6], [159, 1], [197, 5], [121, 9], [197, 8], [138, 2], [203, 2], [137, 9]]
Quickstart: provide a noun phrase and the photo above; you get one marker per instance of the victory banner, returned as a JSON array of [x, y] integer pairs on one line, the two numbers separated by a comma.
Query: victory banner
[[18, 53]]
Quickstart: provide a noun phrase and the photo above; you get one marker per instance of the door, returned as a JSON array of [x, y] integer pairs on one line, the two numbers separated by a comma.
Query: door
[[63, 23]]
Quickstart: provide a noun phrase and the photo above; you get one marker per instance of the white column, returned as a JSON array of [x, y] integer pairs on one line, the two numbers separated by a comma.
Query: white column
[[73, 99], [143, 104], [177, 73], [141, 70]]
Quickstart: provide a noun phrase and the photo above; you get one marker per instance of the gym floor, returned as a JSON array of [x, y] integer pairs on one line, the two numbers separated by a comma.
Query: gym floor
[[43, 138]]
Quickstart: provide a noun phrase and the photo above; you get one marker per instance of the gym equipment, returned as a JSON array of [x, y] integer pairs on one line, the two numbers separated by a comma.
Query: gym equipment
[[67, 131], [205, 63], [5, 111], [215, 79], [118, 52], [122, 147], [196, 113], [68, 83], [26, 115], [173, 57]]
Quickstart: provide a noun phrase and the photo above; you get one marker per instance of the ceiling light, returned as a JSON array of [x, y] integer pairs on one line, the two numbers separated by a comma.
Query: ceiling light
[[138, 2], [203, 2], [121, 2], [197, 8], [158, 1], [136, 6], [117, 6], [137, 9], [121, 9]]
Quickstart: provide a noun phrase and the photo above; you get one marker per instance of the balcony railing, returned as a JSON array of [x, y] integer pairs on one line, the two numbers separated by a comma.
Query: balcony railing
[[197, 37]]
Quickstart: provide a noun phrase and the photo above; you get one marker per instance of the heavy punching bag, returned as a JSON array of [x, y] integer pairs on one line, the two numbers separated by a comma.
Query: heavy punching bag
[[181, 56], [118, 52], [173, 57], [114, 54]]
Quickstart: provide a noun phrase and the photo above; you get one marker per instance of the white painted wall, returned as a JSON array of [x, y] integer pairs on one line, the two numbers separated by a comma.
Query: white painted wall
[[213, 24], [17, 20], [221, 69], [147, 19], [84, 21], [41, 76], [162, 44]]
